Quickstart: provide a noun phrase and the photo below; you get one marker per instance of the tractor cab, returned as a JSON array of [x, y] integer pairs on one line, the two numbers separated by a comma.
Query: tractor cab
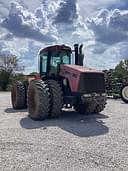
[[52, 57]]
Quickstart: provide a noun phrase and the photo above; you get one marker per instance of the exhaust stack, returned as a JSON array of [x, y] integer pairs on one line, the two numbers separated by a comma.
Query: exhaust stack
[[76, 48], [78, 54]]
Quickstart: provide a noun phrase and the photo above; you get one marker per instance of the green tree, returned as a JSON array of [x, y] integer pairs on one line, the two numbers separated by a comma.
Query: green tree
[[9, 64], [121, 71]]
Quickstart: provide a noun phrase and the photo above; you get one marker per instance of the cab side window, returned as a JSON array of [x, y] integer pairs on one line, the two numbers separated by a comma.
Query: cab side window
[[43, 64]]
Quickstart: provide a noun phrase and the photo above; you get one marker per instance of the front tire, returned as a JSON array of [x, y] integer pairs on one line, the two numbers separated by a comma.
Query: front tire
[[90, 107], [38, 100], [84, 108], [124, 93], [99, 108]]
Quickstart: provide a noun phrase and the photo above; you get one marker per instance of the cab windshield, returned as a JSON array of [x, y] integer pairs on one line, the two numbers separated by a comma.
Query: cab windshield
[[59, 58], [52, 62]]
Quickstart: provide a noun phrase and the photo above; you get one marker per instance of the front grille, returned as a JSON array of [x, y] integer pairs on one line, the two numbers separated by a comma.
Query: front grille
[[92, 82]]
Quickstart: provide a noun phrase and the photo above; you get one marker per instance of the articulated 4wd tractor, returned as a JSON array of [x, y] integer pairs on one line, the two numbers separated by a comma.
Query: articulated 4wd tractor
[[62, 81]]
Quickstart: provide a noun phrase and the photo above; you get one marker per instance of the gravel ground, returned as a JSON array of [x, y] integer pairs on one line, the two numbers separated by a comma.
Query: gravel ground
[[70, 143]]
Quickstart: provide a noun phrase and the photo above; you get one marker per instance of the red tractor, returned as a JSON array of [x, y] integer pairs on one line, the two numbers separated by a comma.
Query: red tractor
[[62, 81]]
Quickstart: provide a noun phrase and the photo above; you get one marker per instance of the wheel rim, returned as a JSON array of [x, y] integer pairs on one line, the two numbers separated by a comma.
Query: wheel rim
[[125, 92]]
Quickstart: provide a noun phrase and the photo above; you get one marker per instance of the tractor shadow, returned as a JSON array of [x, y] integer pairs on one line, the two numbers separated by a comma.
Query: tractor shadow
[[74, 123], [11, 110]]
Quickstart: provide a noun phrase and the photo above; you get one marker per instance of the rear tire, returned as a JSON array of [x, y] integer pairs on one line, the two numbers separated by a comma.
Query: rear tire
[[124, 93], [18, 95], [56, 98], [84, 108], [99, 108], [38, 100]]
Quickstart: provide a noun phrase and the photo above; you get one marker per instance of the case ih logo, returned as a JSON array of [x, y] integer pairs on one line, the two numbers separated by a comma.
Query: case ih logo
[[69, 74]]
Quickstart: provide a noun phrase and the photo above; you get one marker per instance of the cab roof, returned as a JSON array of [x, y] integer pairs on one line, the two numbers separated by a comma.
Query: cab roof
[[56, 48]]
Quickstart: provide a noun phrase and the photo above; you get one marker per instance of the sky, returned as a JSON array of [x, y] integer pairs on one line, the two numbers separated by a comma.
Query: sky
[[101, 26]]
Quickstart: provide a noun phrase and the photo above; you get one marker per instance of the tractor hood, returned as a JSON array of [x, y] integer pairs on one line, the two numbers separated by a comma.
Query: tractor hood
[[82, 79], [78, 69]]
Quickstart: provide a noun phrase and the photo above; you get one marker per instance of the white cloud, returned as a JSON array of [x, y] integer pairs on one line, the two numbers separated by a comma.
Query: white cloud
[[110, 27], [31, 25], [110, 38], [92, 7], [14, 46], [23, 24]]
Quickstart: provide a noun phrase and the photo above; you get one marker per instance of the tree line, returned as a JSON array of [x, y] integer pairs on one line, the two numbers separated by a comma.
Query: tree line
[[11, 69], [117, 75], [116, 78]]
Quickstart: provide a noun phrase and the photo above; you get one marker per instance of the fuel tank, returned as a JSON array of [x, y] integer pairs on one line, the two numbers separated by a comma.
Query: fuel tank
[[83, 80]]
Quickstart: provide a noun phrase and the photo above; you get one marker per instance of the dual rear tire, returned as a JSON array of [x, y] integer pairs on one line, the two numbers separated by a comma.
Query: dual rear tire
[[45, 99]]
